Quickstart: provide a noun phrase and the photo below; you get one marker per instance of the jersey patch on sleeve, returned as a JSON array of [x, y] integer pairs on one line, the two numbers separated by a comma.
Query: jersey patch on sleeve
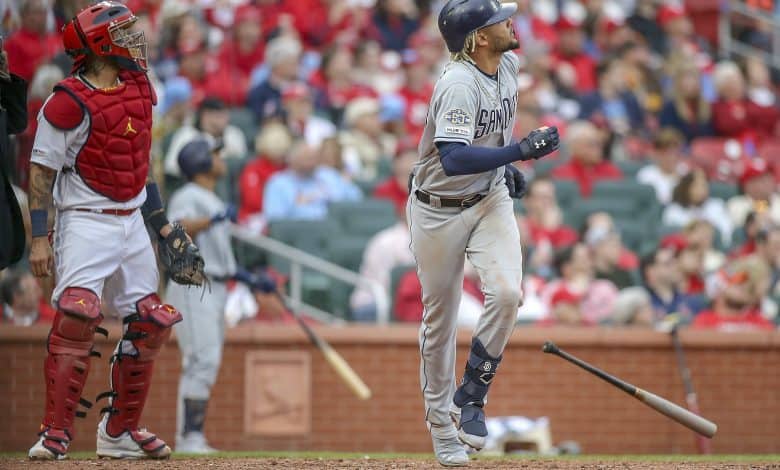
[[458, 130], [457, 117]]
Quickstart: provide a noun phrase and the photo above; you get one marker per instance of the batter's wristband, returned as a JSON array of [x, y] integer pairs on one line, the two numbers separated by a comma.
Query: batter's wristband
[[39, 222], [157, 221]]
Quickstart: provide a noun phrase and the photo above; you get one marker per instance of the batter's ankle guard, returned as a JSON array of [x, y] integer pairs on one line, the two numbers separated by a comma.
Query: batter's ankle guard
[[480, 370], [66, 367], [132, 363], [194, 415]]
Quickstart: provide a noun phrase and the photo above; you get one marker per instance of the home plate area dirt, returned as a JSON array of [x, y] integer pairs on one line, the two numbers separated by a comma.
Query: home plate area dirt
[[647, 463]]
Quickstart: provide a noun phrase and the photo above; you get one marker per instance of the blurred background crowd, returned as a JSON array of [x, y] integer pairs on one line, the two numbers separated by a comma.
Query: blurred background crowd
[[664, 198]]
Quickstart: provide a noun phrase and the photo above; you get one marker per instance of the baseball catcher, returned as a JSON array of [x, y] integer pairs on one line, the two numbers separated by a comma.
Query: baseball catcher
[[94, 136]]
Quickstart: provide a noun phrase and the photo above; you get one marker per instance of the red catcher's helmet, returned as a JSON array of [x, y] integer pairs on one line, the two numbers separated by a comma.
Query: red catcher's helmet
[[103, 29]]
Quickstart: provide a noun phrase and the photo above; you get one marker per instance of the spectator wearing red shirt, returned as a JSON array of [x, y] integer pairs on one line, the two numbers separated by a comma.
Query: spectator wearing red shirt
[[323, 22], [272, 144], [22, 300], [416, 91], [396, 187], [739, 290], [31, 45], [762, 98], [571, 54], [335, 84], [543, 220], [239, 54], [690, 261], [587, 164], [408, 295], [731, 111]]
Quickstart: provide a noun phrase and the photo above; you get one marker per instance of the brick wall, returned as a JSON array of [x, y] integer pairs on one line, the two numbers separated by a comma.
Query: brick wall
[[736, 375]]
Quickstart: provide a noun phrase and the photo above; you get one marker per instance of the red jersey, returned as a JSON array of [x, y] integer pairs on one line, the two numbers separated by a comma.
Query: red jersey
[[586, 175], [416, 108], [390, 189], [558, 237], [585, 69], [27, 50], [750, 320], [252, 182]]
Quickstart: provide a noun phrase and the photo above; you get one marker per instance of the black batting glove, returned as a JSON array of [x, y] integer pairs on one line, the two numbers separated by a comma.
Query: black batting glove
[[515, 181], [539, 143]]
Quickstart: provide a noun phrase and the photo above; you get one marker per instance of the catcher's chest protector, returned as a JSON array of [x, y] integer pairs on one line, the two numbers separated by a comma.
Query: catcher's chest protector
[[114, 160]]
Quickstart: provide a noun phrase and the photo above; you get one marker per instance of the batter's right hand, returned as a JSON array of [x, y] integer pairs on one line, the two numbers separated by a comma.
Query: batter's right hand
[[540, 142], [41, 257]]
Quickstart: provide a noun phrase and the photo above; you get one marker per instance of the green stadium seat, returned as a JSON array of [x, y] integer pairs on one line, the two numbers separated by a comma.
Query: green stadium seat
[[244, 119], [368, 186], [365, 217], [722, 190], [545, 167], [346, 250], [618, 208], [566, 192], [630, 167], [311, 236]]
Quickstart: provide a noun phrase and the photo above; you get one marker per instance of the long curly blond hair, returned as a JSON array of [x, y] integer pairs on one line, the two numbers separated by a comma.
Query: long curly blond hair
[[469, 46]]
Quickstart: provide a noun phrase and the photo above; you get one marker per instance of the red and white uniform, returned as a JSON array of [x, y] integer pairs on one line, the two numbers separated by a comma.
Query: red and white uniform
[[98, 141]]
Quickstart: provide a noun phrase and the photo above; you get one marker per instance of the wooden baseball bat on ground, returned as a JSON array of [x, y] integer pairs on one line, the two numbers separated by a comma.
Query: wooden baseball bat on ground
[[339, 365], [681, 415]]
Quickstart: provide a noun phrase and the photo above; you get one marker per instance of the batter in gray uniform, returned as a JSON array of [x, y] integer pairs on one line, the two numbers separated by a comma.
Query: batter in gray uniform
[[201, 333], [460, 205]]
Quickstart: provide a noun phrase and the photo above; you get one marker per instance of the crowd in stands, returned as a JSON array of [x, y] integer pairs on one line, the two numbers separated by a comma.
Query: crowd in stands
[[663, 199]]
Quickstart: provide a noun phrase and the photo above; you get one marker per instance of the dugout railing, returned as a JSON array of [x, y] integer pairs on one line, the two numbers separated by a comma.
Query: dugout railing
[[299, 260]]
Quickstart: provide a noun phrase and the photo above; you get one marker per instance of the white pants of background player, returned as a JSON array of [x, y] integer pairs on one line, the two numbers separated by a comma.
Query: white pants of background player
[[200, 334], [487, 233], [110, 255]]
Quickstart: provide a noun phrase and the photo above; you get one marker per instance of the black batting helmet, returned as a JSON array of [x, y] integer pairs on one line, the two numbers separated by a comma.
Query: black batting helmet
[[459, 18], [196, 156]]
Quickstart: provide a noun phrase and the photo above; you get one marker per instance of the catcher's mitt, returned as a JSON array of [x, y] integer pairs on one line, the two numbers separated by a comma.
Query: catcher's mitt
[[182, 258]]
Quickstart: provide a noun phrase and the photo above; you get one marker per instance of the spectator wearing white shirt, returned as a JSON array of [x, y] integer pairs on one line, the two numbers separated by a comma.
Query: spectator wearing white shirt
[[298, 108], [211, 123], [691, 201], [759, 193], [385, 251], [667, 167]]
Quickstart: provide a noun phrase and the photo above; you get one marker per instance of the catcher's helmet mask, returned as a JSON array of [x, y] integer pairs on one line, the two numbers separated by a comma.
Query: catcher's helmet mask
[[103, 29], [459, 18]]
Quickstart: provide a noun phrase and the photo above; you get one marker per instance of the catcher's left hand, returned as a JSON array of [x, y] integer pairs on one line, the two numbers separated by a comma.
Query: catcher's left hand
[[515, 181], [182, 258]]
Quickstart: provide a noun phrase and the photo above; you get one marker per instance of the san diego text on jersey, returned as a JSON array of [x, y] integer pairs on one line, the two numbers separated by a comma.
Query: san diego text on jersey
[[495, 119]]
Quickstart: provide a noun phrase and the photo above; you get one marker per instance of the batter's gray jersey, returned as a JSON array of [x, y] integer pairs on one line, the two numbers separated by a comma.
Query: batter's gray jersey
[[192, 201], [470, 107]]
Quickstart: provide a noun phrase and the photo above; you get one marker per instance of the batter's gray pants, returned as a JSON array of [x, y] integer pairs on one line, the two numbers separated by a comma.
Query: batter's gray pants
[[201, 335], [487, 233]]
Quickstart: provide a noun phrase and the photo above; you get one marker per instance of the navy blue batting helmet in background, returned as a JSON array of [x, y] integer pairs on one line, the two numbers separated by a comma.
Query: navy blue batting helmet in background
[[459, 18], [196, 157]]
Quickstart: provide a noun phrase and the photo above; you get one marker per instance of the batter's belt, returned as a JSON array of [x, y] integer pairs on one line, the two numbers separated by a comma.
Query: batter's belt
[[436, 201]]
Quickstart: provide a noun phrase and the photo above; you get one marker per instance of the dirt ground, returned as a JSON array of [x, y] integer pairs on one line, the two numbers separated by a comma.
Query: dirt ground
[[373, 463]]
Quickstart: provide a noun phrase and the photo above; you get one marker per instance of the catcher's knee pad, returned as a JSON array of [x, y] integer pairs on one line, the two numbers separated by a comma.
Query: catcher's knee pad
[[69, 349], [132, 363], [480, 370]]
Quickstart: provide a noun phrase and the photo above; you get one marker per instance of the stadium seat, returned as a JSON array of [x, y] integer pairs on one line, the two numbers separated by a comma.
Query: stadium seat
[[545, 166], [723, 190], [580, 210], [367, 186], [244, 119], [566, 192], [311, 236], [630, 167], [365, 217], [347, 250]]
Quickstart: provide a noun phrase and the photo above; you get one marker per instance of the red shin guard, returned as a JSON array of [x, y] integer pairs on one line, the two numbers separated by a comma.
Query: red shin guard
[[67, 364], [131, 371]]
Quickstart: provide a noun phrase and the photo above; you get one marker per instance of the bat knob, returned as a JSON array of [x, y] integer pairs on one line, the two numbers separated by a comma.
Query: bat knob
[[549, 347]]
